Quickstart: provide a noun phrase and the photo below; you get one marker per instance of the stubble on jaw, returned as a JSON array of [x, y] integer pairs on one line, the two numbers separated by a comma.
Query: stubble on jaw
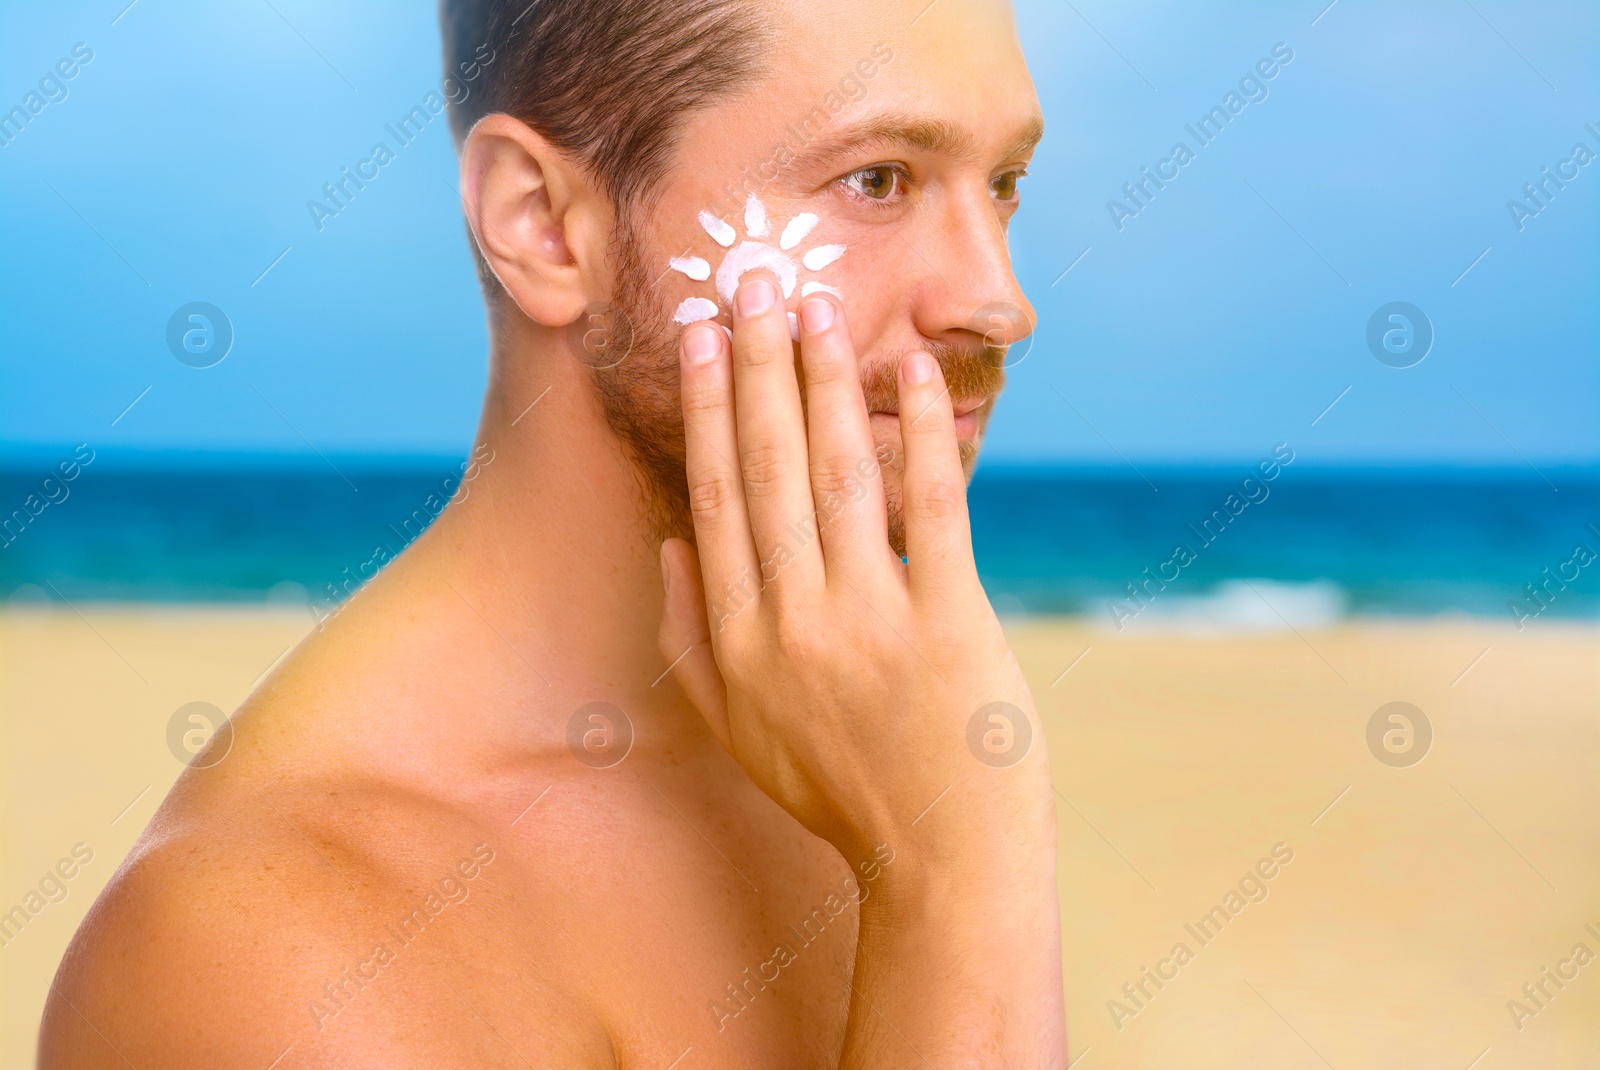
[[640, 398]]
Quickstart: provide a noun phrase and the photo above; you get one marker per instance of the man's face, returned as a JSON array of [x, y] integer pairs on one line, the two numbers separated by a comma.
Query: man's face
[[902, 130]]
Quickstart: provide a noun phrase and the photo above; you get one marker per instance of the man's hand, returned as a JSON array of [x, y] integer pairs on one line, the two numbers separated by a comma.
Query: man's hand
[[843, 681], [860, 693]]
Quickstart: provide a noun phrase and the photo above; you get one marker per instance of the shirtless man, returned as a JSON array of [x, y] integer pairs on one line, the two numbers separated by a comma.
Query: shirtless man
[[653, 752]]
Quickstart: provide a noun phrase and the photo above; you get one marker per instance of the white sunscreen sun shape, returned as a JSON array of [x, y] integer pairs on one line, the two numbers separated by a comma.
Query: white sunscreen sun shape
[[750, 255]]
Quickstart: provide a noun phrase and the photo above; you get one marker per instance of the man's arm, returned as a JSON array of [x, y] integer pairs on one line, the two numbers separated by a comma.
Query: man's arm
[[875, 700], [232, 942]]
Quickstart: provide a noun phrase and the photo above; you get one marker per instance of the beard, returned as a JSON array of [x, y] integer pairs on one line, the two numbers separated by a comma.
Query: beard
[[636, 380]]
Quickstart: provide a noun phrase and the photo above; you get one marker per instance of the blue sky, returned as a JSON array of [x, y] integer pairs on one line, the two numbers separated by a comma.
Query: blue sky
[[1222, 318]]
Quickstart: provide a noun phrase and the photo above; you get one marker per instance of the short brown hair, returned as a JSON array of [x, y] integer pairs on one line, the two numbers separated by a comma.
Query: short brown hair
[[606, 81]]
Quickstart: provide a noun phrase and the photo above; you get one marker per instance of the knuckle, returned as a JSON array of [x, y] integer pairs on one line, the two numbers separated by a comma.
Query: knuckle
[[710, 495], [737, 652], [836, 476], [704, 399], [934, 499], [765, 468], [828, 368], [729, 612], [757, 353], [935, 419], [796, 635]]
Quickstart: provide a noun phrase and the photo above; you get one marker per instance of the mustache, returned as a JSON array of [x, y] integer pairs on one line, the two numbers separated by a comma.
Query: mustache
[[969, 371]]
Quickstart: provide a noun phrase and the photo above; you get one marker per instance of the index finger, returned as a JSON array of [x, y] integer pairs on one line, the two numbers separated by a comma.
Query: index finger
[[716, 487], [772, 441]]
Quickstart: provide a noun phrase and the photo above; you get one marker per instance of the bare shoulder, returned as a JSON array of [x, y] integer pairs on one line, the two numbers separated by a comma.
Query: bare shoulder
[[287, 923], [363, 881]]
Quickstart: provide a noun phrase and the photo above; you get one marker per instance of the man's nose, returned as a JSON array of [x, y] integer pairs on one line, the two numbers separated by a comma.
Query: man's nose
[[974, 288]]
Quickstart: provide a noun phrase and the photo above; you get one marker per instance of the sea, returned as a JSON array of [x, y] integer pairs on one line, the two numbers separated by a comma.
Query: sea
[[1204, 547]]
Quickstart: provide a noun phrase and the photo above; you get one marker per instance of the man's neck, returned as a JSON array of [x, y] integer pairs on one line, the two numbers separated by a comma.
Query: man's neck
[[548, 547]]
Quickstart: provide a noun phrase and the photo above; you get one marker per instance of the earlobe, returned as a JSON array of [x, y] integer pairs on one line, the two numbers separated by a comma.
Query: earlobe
[[527, 206]]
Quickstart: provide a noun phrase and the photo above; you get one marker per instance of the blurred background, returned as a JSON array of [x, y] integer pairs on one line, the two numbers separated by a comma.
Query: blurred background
[[1378, 275], [1184, 331]]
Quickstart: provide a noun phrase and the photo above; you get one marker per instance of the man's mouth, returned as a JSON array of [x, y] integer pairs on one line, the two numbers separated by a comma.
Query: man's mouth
[[966, 412]]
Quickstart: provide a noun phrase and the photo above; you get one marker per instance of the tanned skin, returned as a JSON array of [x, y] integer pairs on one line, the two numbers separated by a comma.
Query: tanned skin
[[800, 778]]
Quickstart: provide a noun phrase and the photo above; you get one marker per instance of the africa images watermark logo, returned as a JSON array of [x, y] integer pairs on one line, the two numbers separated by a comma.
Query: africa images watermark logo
[[602, 337], [453, 489], [599, 734], [53, 490], [1252, 89], [51, 888], [340, 193], [199, 735], [1399, 334], [811, 928], [52, 90], [1542, 192], [1399, 734], [339, 992], [1536, 599], [1252, 888], [999, 734], [739, 593], [849, 89], [1143, 590], [199, 334], [1538, 995]]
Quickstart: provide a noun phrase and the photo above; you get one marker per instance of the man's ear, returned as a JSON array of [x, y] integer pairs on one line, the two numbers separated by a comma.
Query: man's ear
[[539, 220]]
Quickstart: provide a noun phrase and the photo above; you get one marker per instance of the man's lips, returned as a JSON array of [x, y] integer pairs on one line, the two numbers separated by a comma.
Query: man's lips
[[966, 416]]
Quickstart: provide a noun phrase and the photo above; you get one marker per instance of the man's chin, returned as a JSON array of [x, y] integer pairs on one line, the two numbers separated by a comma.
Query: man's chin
[[894, 476]]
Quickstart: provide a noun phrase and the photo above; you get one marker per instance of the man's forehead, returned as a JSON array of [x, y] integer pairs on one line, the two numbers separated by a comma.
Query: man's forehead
[[953, 83], [846, 82]]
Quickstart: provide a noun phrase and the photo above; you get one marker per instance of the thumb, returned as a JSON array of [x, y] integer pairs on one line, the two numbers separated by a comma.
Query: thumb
[[685, 637]]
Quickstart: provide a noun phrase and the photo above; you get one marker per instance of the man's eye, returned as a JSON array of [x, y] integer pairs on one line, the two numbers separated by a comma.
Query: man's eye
[[880, 182], [1004, 187]]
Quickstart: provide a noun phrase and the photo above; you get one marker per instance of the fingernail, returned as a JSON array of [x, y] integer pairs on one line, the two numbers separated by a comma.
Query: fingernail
[[755, 297], [666, 576], [817, 315], [701, 345], [917, 368]]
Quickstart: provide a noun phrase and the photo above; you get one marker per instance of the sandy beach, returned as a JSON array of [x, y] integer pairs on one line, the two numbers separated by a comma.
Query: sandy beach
[[1217, 793]]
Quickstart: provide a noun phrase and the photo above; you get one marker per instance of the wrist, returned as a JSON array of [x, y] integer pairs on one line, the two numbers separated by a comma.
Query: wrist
[[954, 868], [983, 825], [972, 909]]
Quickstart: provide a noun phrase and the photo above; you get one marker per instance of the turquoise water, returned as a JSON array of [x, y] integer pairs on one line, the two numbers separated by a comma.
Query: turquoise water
[[1309, 545]]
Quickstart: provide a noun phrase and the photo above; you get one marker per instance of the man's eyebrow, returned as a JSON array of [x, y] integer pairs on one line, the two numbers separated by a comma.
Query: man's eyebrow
[[1028, 139], [926, 135]]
